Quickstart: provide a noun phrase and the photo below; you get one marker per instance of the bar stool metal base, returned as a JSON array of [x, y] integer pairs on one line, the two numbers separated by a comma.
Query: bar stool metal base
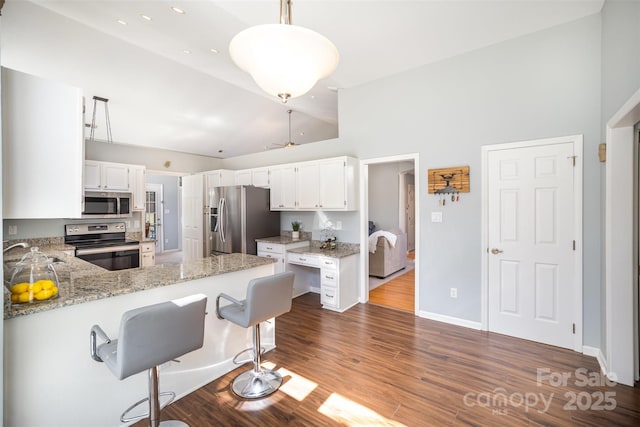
[[254, 385], [173, 423]]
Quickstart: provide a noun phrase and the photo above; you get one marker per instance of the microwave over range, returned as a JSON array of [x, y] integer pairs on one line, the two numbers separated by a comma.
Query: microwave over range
[[100, 204]]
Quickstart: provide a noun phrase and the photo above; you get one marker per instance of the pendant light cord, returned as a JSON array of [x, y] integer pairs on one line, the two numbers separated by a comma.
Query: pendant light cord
[[107, 120]]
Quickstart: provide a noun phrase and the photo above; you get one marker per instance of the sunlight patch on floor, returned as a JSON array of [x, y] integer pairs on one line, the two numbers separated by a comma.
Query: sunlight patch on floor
[[294, 385], [350, 413]]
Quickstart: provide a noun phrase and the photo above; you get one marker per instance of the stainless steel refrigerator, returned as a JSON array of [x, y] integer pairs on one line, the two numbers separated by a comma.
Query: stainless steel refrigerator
[[235, 217]]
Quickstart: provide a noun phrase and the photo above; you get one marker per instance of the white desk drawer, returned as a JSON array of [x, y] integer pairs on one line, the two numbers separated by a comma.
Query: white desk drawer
[[269, 255], [331, 263], [271, 247], [329, 296], [328, 277], [310, 260]]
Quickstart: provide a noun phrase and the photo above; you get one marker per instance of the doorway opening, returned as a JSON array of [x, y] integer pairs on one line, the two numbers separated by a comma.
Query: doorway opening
[[153, 228], [163, 215], [389, 205]]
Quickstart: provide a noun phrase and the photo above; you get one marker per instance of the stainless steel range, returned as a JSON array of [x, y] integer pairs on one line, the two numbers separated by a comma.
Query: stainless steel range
[[104, 245]]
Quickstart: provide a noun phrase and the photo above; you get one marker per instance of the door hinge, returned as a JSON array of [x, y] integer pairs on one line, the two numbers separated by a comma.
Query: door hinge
[[573, 159], [574, 245], [574, 328]]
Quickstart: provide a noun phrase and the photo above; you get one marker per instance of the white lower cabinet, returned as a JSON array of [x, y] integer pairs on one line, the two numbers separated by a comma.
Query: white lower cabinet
[[338, 277], [147, 254]]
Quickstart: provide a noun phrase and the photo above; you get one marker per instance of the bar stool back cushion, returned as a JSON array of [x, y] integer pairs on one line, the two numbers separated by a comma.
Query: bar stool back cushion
[[267, 297], [152, 335]]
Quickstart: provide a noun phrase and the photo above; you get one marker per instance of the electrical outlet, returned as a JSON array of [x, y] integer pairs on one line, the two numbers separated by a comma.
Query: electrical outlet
[[453, 292], [166, 240], [436, 216], [13, 230], [136, 224], [338, 225]]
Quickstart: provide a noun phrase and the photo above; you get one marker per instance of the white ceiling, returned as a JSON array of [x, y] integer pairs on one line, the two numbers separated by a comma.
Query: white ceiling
[[200, 102]]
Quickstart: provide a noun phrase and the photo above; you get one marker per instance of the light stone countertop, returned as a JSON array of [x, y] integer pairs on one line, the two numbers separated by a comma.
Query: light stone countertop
[[339, 252], [282, 240], [81, 281]]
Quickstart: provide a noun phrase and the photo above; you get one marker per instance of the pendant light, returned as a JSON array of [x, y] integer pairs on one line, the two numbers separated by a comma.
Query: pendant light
[[284, 60]]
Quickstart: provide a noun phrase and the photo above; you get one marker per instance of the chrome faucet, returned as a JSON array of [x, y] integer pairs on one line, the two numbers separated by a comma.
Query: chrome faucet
[[21, 245]]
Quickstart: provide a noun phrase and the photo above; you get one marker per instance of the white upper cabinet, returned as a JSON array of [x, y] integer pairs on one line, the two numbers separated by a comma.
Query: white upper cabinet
[[337, 184], [106, 176], [243, 177], [283, 187], [327, 184], [137, 175], [42, 147], [260, 177], [220, 178], [308, 185]]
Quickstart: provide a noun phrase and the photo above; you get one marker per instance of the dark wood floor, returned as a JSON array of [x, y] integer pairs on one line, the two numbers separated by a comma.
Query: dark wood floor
[[377, 366]]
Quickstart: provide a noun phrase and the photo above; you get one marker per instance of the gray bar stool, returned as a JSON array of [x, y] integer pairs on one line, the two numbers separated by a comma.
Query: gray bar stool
[[150, 336], [267, 297]]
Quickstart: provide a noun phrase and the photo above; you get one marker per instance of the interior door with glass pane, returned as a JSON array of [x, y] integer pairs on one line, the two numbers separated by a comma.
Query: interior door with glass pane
[[153, 215]]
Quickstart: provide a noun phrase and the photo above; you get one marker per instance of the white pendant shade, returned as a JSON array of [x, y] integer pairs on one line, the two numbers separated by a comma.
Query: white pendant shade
[[284, 60]]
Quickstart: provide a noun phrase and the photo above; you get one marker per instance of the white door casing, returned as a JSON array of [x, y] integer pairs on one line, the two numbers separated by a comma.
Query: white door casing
[[411, 219], [532, 281], [192, 217]]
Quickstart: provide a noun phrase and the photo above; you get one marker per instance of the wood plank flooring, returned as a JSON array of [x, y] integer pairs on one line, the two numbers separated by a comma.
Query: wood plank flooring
[[397, 293], [375, 366]]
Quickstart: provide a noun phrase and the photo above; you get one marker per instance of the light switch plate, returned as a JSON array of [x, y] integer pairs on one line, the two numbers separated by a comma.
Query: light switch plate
[[436, 216], [13, 230]]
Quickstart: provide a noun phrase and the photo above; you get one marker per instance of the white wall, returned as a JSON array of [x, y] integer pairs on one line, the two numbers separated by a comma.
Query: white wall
[[620, 54], [152, 158], [542, 85]]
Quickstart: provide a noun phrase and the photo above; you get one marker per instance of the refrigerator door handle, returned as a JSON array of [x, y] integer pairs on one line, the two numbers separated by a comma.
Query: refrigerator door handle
[[217, 227], [222, 218]]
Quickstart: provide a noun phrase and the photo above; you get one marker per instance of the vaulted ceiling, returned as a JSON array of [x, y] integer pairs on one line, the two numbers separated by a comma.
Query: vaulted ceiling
[[171, 83]]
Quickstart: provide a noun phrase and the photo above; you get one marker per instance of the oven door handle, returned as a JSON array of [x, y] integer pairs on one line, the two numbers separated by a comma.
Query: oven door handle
[[107, 250]]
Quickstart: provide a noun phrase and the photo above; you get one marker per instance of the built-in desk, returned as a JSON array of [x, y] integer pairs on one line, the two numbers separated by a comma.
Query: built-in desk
[[332, 273]]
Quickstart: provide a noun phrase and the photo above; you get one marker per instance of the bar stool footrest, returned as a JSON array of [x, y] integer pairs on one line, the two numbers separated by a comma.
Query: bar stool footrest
[[146, 414], [242, 362]]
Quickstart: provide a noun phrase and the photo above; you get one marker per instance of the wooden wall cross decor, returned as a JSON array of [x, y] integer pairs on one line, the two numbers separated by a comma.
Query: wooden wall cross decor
[[456, 177]]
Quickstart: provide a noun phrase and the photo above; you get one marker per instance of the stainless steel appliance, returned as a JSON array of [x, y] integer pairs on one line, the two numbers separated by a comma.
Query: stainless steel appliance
[[99, 204], [235, 217], [104, 245]]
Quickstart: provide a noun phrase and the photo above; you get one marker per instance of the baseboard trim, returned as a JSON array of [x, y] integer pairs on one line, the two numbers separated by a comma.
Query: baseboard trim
[[597, 353], [450, 319]]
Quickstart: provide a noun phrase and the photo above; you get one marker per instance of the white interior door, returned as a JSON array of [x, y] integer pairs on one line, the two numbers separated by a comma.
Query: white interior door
[[192, 217], [531, 243], [153, 210]]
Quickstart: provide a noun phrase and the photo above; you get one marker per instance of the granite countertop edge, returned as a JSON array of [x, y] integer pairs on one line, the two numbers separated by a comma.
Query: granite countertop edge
[[331, 253], [92, 283]]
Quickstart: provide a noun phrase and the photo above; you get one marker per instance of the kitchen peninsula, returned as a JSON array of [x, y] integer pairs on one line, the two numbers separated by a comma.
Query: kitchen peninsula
[[50, 379]]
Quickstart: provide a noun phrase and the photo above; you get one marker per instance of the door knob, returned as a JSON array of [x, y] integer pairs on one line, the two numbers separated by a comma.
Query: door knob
[[496, 251]]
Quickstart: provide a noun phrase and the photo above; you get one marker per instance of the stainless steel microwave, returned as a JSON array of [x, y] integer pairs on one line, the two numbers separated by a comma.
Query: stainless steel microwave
[[98, 204]]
